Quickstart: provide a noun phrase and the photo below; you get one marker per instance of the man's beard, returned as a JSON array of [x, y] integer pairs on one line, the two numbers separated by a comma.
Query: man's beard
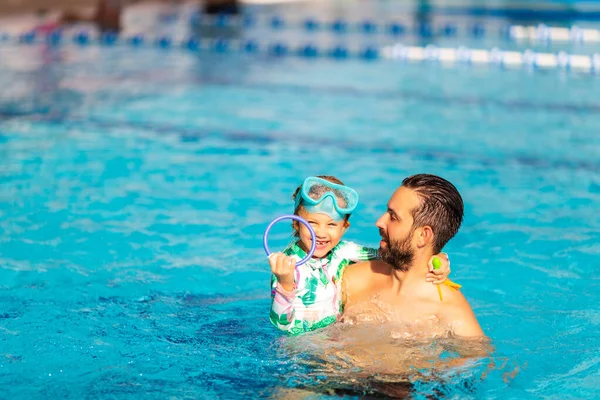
[[399, 253]]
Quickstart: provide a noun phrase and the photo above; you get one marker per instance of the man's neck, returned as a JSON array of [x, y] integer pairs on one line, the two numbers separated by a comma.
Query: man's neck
[[415, 274]]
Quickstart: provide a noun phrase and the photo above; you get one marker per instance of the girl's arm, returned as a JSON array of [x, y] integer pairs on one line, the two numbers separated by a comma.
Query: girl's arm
[[283, 292]]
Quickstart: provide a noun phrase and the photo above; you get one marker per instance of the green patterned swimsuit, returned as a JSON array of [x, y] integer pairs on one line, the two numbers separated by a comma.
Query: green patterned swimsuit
[[316, 301]]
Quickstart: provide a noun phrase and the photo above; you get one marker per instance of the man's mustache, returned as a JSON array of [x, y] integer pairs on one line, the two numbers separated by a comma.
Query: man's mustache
[[383, 235]]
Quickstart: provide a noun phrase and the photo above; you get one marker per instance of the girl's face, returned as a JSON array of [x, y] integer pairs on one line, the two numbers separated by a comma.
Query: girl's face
[[327, 231]]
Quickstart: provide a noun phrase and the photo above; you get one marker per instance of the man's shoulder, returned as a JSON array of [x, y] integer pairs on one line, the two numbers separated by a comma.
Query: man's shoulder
[[354, 271], [362, 277], [456, 311], [452, 308], [368, 268]]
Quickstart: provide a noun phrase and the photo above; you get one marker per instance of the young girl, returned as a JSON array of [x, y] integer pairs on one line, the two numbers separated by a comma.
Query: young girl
[[309, 297]]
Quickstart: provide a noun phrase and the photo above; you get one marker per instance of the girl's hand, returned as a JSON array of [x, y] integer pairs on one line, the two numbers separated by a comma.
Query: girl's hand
[[438, 276], [283, 268]]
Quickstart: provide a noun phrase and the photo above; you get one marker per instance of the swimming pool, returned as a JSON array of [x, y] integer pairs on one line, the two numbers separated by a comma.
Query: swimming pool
[[136, 184]]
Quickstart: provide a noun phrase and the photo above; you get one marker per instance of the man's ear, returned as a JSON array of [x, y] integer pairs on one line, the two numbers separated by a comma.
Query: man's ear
[[295, 226], [425, 236], [346, 225]]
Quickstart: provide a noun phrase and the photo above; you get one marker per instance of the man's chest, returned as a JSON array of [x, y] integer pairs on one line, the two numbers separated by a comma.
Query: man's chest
[[387, 307]]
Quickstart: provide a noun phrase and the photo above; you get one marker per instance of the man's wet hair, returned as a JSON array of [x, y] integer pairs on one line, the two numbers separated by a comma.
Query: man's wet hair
[[441, 207]]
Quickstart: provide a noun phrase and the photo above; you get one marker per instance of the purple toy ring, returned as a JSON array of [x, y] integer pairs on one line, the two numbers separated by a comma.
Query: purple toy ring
[[302, 221]]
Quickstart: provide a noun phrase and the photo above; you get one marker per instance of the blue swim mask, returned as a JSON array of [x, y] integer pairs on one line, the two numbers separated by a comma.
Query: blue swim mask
[[321, 196]]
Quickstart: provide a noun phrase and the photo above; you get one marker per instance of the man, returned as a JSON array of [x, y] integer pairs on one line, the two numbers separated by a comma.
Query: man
[[394, 300], [423, 214]]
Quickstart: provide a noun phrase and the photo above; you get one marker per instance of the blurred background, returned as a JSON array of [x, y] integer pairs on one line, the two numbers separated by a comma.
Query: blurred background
[[145, 146]]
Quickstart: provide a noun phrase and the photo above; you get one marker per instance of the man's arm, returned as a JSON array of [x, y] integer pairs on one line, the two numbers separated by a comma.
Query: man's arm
[[351, 282]]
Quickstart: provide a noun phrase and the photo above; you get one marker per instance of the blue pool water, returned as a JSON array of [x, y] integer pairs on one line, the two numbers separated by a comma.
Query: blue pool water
[[135, 187]]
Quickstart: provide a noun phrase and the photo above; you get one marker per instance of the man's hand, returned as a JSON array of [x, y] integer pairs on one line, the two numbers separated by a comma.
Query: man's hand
[[283, 268]]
